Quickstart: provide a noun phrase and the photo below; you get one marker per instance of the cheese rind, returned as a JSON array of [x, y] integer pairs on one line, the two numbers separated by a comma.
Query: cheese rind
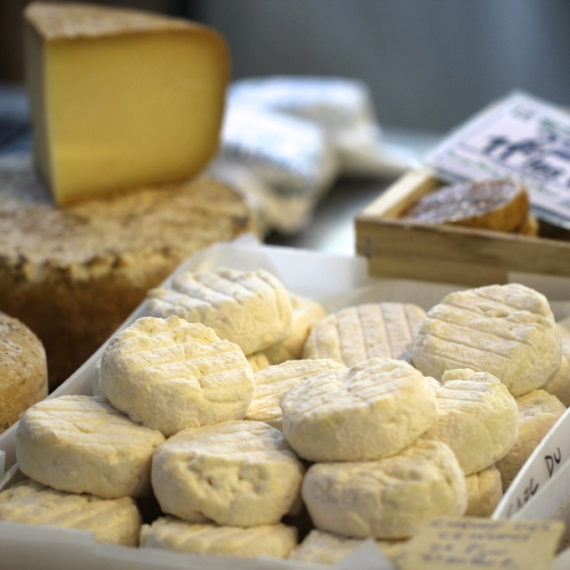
[[506, 330], [169, 374], [114, 521], [142, 121], [239, 473], [272, 383], [250, 308], [371, 410], [496, 204], [387, 498], [169, 533], [81, 444], [360, 332], [476, 416], [23, 370], [538, 412]]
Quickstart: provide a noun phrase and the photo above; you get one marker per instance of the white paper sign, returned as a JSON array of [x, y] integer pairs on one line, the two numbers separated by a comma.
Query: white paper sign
[[552, 453], [521, 137]]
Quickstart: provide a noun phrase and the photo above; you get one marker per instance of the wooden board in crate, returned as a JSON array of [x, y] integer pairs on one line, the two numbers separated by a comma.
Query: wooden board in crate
[[401, 247]]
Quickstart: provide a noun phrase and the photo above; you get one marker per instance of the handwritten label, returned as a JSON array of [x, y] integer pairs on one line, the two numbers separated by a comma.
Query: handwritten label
[[470, 542], [540, 467], [521, 137], [552, 461], [528, 491]]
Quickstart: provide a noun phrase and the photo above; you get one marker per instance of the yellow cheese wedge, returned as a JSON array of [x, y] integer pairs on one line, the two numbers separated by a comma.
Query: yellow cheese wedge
[[121, 98]]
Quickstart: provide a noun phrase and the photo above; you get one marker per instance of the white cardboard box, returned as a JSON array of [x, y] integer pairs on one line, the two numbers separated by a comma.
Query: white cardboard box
[[334, 280]]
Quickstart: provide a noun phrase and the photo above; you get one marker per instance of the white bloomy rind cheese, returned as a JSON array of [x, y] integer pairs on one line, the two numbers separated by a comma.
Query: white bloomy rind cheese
[[372, 410], [506, 330], [388, 498], [81, 444], [169, 374], [370, 330], [273, 382], [114, 521], [239, 473], [251, 308], [477, 417], [169, 533], [121, 98]]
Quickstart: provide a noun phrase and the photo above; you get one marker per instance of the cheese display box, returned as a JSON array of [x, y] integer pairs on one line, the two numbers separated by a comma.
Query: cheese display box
[[336, 281], [398, 246]]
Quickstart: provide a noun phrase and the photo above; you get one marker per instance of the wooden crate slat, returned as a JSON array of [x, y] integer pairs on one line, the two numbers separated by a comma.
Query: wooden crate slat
[[407, 248]]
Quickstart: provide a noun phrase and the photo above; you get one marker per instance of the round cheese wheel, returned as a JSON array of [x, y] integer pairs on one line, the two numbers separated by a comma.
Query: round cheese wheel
[[371, 410], [169, 533], [23, 370], [496, 204], [506, 330], [81, 444], [388, 498], [237, 473]]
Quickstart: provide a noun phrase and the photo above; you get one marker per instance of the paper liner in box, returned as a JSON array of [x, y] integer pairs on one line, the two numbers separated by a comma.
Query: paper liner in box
[[551, 454]]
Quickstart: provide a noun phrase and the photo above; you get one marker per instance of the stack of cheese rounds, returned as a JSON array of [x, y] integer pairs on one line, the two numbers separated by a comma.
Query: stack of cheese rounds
[[307, 457]]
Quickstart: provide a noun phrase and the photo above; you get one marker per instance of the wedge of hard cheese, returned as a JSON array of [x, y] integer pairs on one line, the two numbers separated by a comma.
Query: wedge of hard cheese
[[121, 98]]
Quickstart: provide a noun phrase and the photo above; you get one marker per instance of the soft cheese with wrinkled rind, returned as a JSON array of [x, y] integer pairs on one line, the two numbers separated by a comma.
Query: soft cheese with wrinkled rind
[[239, 473], [327, 548], [484, 492], [250, 308], [476, 416], [115, 521], [355, 334], [81, 444], [538, 412], [371, 410], [387, 498], [506, 330], [149, 90], [277, 540], [169, 374], [272, 382], [305, 314]]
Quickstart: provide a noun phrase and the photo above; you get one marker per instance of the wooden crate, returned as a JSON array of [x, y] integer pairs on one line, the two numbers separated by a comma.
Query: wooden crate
[[399, 247]]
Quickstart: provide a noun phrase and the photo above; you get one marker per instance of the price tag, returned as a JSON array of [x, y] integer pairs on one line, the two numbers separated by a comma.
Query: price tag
[[463, 543], [521, 137]]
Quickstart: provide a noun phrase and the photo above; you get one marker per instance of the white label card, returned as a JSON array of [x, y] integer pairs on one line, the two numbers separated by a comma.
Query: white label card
[[475, 543], [521, 137]]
